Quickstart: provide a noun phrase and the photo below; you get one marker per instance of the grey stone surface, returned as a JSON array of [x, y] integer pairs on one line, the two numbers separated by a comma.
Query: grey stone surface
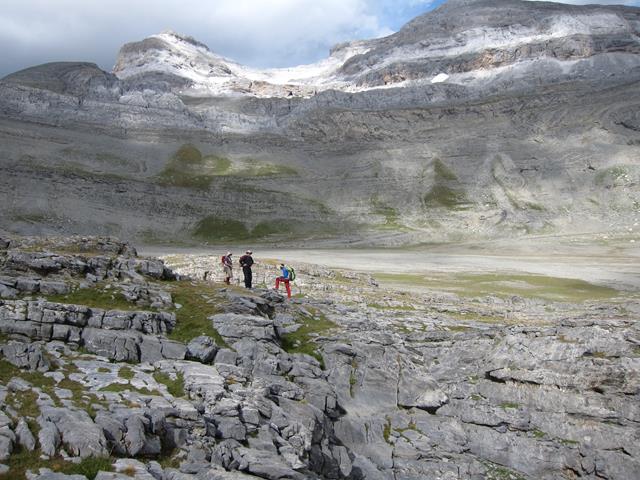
[[6, 446], [48, 438], [202, 349], [25, 355], [78, 433], [25, 437], [233, 327], [47, 474]]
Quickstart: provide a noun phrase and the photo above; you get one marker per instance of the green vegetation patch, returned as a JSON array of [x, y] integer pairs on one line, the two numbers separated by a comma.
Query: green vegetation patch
[[199, 302], [254, 168], [123, 387], [175, 386], [509, 405], [446, 191], [126, 372], [301, 341], [538, 433], [390, 215], [498, 472], [503, 285], [442, 172], [216, 229], [444, 196], [611, 174], [386, 431], [188, 168], [96, 297], [23, 460]]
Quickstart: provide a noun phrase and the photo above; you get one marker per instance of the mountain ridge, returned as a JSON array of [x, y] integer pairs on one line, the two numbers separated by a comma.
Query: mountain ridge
[[532, 131]]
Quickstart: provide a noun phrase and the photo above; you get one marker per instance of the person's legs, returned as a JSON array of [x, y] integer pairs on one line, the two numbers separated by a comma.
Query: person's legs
[[278, 283], [248, 277], [288, 287]]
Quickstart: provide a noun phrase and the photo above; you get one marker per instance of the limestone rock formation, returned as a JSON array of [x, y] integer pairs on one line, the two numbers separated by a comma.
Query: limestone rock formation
[[417, 386], [479, 119]]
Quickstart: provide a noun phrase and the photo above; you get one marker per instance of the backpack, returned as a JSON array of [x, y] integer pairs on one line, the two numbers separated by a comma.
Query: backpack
[[292, 274]]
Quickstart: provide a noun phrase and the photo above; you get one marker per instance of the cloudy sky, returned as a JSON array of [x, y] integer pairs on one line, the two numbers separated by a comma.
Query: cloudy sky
[[261, 33]]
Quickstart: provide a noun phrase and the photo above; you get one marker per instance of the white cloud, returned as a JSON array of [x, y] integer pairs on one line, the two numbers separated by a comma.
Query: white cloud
[[258, 32], [591, 2]]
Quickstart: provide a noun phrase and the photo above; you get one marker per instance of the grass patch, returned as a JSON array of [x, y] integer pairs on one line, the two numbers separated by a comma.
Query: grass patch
[[121, 387], [126, 372], [198, 304], [509, 405], [352, 377], [444, 196], [458, 328], [503, 285], [23, 460], [279, 227], [386, 431], [568, 442], [98, 297], [26, 404], [390, 214], [537, 433], [37, 379], [404, 308], [175, 386], [498, 472], [442, 172], [188, 168], [301, 341], [216, 229], [80, 397], [610, 175], [255, 168], [446, 190]]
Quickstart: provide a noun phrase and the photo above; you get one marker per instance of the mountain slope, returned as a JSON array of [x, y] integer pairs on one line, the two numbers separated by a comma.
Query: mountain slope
[[479, 119]]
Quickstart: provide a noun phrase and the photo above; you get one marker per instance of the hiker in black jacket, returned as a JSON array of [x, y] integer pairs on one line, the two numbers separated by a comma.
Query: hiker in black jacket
[[246, 261]]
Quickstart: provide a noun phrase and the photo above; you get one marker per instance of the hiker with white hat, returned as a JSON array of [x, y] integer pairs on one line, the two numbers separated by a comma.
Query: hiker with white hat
[[227, 266]]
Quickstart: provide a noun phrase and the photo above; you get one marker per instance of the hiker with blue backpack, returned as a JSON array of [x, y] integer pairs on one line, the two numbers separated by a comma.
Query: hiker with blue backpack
[[288, 275]]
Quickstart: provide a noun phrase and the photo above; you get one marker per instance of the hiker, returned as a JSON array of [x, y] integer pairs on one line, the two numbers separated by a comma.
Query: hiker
[[246, 261], [227, 266], [285, 278]]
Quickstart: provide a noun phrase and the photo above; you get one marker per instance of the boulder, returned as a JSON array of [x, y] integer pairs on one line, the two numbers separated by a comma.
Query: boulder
[[121, 346], [25, 437], [48, 438], [25, 355], [202, 349], [79, 434], [233, 327], [6, 445]]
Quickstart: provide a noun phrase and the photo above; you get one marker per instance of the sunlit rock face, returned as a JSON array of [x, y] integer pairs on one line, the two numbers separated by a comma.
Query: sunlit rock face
[[476, 120]]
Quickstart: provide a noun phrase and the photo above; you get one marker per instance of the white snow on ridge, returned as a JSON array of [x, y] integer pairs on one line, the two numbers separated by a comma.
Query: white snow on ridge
[[214, 75], [441, 77]]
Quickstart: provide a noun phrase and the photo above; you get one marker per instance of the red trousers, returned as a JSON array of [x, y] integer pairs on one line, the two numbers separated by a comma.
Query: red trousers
[[286, 285]]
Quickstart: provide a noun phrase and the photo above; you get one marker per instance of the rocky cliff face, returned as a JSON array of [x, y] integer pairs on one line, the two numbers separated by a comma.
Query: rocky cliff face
[[475, 120]]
